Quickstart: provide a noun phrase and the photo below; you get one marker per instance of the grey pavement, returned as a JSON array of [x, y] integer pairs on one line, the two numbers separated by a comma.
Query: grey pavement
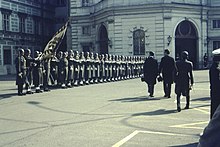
[[102, 115]]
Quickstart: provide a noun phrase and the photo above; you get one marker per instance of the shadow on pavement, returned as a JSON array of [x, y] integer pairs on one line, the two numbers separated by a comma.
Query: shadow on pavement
[[201, 99], [9, 95], [138, 99], [156, 112], [186, 145]]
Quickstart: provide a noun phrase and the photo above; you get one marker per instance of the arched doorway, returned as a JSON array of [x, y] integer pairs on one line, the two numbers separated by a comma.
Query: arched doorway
[[186, 38], [103, 40]]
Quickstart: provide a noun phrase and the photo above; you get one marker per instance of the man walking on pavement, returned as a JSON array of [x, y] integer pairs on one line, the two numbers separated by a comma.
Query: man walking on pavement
[[167, 68], [183, 79], [150, 72]]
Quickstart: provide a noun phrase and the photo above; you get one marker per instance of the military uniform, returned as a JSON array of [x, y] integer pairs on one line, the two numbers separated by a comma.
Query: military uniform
[[20, 65], [183, 79], [70, 58], [29, 75], [76, 63], [82, 69], [37, 72]]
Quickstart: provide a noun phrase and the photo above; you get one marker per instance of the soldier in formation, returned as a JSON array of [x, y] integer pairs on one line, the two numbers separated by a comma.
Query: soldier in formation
[[70, 69]]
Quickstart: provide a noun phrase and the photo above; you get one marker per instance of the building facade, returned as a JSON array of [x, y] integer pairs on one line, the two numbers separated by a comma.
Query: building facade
[[27, 24], [133, 28]]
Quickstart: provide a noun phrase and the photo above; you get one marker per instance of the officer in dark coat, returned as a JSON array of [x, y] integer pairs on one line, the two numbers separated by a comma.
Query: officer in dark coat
[[214, 77], [167, 68], [20, 65], [150, 72], [183, 79]]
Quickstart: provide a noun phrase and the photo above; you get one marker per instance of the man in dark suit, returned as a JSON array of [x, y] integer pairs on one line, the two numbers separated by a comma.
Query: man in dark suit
[[150, 72], [214, 76], [167, 68], [183, 79]]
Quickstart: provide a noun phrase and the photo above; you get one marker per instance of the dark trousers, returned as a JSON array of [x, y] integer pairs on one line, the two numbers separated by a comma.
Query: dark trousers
[[151, 89], [20, 88], [187, 100], [167, 88]]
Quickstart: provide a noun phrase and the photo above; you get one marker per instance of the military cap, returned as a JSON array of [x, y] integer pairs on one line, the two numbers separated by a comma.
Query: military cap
[[216, 55]]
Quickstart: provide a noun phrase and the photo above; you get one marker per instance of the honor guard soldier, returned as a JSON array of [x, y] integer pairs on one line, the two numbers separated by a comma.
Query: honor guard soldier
[[59, 75], [54, 69], [70, 59], [106, 68], [64, 69], [81, 68], [20, 65], [97, 68], [102, 68], [46, 73], [214, 77], [87, 73], [117, 69], [113, 62], [76, 68], [183, 79], [37, 72], [29, 66], [109, 68], [123, 66], [92, 69]]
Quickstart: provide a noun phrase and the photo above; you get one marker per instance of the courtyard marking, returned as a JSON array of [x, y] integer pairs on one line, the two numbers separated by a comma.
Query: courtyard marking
[[190, 125], [124, 140]]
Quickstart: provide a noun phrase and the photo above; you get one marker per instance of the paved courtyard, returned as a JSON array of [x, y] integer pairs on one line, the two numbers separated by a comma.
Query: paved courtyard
[[102, 115]]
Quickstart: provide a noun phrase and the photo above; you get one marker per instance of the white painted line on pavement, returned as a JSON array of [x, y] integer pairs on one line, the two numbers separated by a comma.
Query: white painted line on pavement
[[191, 125], [201, 110], [118, 144], [121, 142]]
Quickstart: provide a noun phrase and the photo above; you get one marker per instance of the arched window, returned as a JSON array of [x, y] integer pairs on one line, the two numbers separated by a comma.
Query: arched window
[[139, 42]]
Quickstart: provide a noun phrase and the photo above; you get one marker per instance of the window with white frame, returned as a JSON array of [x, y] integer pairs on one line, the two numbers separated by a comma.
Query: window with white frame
[[216, 45], [6, 21], [216, 24], [86, 30], [139, 42]]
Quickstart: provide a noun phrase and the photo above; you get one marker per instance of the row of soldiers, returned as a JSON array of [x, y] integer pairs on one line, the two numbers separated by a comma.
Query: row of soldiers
[[67, 69]]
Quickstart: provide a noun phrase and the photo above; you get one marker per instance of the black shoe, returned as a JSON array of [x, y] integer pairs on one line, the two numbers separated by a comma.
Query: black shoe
[[39, 91], [29, 92], [165, 95], [151, 95], [168, 96], [46, 90], [187, 107], [21, 94], [178, 109]]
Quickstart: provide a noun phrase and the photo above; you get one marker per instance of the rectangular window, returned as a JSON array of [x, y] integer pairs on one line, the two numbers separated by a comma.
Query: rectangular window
[[216, 23], [86, 30], [216, 45], [85, 3], [7, 57], [22, 24], [6, 21]]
